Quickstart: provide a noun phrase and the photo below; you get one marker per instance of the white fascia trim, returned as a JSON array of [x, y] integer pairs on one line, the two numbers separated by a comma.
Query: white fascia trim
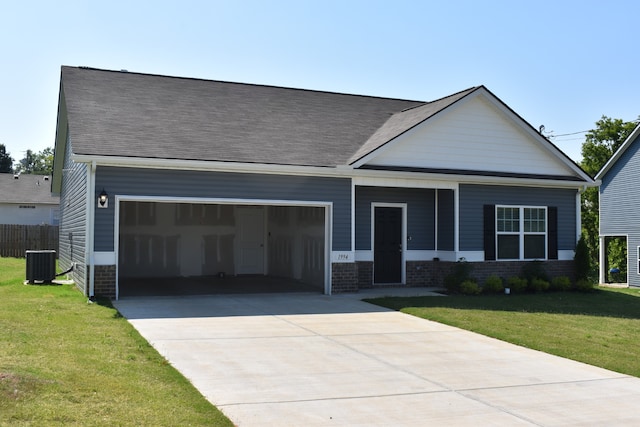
[[421, 255], [364, 255], [342, 257], [213, 166], [566, 255], [470, 256], [230, 201], [405, 181], [104, 258], [340, 171], [450, 181], [411, 255]]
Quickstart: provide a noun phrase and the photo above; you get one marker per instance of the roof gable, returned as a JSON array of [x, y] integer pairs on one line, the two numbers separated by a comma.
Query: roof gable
[[633, 138], [404, 121], [474, 132]]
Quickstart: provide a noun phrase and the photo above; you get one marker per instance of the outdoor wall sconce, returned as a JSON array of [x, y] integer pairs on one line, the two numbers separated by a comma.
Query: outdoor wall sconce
[[103, 199]]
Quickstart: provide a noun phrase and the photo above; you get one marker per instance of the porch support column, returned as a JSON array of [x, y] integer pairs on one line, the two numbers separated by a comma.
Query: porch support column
[[435, 216], [602, 260], [456, 220]]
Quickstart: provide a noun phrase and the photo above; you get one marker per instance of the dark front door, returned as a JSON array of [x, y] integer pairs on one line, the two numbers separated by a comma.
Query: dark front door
[[387, 254]]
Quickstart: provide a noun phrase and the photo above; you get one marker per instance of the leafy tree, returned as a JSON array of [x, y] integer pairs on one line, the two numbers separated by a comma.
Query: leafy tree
[[6, 161], [37, 163], [600, 144], [44, 162]]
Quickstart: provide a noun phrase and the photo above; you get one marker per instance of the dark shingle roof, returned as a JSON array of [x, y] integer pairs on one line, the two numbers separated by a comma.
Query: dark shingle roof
[[26, 189], [139, 115]]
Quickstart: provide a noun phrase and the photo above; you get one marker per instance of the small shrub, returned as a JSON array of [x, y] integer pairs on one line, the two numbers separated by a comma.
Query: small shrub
[[534, 270], [516, 284], [460, 272], [539, 285], [560, 283], [584, 285], [582, 260], [469, 287], [493, 285]]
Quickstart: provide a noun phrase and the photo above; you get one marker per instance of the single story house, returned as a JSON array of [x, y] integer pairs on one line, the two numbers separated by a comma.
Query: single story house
[[164, 177], [619, 215], [26, 199]]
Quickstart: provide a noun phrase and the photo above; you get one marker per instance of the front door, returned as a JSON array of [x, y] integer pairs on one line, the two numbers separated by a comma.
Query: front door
[[250, 240], [387, 254]]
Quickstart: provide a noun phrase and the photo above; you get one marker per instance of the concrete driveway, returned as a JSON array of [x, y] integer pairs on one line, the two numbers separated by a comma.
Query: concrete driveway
[[316, 360]]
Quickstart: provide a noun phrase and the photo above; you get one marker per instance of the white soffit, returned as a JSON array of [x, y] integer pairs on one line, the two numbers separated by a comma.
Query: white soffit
[[473, 135]]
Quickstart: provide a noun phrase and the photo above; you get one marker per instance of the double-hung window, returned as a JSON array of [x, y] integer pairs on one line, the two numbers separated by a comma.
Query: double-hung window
[[521, 232]]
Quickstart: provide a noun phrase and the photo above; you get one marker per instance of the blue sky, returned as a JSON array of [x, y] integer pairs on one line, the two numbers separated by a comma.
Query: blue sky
[[561, 64]]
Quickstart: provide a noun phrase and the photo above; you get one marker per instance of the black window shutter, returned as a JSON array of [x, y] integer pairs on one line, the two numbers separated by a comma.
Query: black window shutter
[[489, 232], [552, 247]]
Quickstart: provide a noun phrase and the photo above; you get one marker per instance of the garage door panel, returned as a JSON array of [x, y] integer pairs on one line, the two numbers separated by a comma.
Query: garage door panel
[[204, 239]]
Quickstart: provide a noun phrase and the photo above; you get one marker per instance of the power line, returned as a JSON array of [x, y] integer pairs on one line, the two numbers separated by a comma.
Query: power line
[[551, 135], [568, 134]]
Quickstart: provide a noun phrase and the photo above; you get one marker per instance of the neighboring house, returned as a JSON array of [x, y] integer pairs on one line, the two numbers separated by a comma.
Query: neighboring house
[[342, 191], [619, 214], [27, 200]]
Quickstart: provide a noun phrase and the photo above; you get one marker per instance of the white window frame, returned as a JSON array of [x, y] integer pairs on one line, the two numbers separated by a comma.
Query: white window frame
[[521, 233]]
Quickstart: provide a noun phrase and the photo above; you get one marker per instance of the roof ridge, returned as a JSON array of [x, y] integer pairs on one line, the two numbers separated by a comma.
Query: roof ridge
[[123, 71], [468, 91]]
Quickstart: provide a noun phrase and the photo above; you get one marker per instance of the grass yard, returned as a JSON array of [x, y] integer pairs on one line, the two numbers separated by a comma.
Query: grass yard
[[64, 361], [600, 328]]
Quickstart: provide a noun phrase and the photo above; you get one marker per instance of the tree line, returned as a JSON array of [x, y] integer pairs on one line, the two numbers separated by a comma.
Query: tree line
[[40, 163]]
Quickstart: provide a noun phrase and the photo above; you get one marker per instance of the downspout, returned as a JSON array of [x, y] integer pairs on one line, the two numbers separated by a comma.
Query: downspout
[[90, 229]]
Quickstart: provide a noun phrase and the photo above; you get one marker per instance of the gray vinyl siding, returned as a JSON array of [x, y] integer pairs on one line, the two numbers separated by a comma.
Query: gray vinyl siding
[[619, 200], [73, 232], [472, 198], [200, 184], [420, 214], [619, 188]]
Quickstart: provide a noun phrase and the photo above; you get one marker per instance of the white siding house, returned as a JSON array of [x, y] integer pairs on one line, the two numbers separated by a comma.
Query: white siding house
[[27, 200]]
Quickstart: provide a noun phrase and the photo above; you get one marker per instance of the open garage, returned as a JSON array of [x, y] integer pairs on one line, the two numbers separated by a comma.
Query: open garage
[[181, 247]]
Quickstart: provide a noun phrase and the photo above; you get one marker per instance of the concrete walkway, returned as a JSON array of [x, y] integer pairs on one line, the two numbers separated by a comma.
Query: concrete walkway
[[316, 360]]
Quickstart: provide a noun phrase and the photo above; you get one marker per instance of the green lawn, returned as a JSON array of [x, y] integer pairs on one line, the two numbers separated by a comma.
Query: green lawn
[[64, 361], [600, 328]]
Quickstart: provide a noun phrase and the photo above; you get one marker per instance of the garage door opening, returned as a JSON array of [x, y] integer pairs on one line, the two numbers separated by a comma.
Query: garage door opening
[[171, 248]]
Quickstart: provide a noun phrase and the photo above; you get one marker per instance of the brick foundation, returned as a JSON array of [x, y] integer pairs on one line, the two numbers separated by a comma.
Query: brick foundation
[[344, 278], [350, 277], [426, 273], [482, 270], [365, 274], [104, 284]]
